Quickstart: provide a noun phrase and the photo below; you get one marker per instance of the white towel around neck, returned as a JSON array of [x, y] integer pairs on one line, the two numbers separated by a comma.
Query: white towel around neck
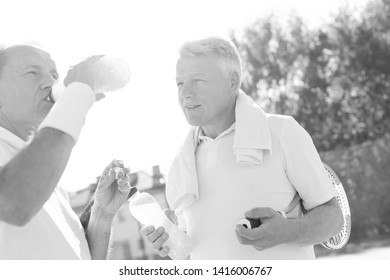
[[252, 145]]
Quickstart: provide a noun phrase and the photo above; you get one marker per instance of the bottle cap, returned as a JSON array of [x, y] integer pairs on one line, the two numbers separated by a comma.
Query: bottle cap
[[133, 190]]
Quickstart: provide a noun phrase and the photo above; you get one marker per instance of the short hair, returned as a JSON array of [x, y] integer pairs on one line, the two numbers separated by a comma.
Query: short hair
[[4, 50], [219, 47]]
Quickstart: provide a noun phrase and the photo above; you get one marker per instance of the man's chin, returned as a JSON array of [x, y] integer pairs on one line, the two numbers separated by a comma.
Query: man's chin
[[42, 116], [193, 122]]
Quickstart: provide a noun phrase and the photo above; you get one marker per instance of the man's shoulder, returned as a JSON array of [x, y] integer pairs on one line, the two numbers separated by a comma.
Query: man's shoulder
[[285, 127], [277, 122], [277, 117]]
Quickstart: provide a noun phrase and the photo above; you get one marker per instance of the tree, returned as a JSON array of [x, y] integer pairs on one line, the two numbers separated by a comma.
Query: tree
[[334, 80]]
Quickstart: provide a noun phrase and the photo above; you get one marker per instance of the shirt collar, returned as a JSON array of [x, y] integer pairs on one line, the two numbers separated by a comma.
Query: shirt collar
[[203, 137], [11, 139]]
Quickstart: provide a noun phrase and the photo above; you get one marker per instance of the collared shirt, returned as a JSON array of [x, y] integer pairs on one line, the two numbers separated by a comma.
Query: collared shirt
[[228, 189], [203, 137], [55, 232]]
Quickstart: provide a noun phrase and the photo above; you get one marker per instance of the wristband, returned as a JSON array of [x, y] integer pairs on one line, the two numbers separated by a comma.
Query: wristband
[[68, 113]]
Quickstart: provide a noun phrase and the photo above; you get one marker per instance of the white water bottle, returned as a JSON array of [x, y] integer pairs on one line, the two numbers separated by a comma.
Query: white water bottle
[[147, 211], [109, 74]]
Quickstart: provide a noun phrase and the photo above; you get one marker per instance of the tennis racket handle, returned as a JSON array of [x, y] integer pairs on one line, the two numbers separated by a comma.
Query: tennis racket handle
[[254, 223], [249, 223]]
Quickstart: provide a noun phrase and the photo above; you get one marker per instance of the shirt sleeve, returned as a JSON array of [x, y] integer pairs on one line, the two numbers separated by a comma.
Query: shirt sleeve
[[63, 192], [304, 167], [181, 222]]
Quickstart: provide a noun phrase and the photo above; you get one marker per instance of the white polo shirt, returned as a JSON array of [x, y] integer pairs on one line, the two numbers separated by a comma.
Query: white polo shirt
[[55, 232], [228, 189]]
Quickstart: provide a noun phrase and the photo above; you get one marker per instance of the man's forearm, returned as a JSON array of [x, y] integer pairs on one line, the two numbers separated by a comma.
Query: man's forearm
[[99, 232], [86, 215], [28, 180], [317, 225]]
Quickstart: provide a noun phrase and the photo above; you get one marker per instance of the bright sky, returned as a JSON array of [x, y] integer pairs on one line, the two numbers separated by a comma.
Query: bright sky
[[141, 124]]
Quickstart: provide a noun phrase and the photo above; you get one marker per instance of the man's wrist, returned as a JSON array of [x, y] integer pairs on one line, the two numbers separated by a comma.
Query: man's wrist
[[101, 214], [100, 221], [68, 113]]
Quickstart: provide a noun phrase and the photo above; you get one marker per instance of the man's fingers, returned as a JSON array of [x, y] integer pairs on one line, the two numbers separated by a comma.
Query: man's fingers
[[123, 179], [116, 171], [118, 163], [93, 58], [113, 164], [260, 248], [123, 182], [163, 252], [242, 239], [107, 178], [122, 173], [146, 230], [126, 170], [250, 235], [82, 72], [157, 238], [111, 174], [261, 213], [171, 215], [255, 243], [124, 189], [99, 96], [159, 242], [156, 234], [119, 174]]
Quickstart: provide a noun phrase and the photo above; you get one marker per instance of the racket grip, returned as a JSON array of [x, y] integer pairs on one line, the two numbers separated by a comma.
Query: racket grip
[[283, 214], [249, 223]]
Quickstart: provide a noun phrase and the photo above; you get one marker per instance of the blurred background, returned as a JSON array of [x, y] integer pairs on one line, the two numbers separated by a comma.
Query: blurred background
[[335, 81], [327, 63]]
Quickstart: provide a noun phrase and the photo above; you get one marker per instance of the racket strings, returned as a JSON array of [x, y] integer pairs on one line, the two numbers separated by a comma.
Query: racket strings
[[340, 239]]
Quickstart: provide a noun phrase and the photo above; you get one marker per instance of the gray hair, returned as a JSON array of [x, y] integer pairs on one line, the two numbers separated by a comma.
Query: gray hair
[[4, 53], [219, 47]]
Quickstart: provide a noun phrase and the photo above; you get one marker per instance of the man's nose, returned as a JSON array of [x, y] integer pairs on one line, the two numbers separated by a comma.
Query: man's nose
[[186, 91], [48, 81]]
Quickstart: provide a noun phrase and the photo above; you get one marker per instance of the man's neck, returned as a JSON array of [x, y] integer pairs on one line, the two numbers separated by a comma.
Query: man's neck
[[21, 133], [214, 129], [214, 132]]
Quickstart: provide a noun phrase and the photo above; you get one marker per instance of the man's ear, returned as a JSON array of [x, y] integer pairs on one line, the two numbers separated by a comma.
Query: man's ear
[[234, 81]]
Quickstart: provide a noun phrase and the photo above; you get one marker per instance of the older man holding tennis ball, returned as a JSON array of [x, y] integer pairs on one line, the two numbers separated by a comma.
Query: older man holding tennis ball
[[239, 162]]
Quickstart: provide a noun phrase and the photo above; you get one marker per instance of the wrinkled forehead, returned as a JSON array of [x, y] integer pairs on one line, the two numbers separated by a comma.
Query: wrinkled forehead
[[25, 56], [193, 65]]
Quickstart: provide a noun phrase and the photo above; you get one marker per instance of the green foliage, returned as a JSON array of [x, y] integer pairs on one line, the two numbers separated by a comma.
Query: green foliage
[[334, 80], [363, 171]]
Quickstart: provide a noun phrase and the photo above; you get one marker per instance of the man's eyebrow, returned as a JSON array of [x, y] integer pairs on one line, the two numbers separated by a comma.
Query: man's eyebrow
[[33, 66], [191, 75]]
